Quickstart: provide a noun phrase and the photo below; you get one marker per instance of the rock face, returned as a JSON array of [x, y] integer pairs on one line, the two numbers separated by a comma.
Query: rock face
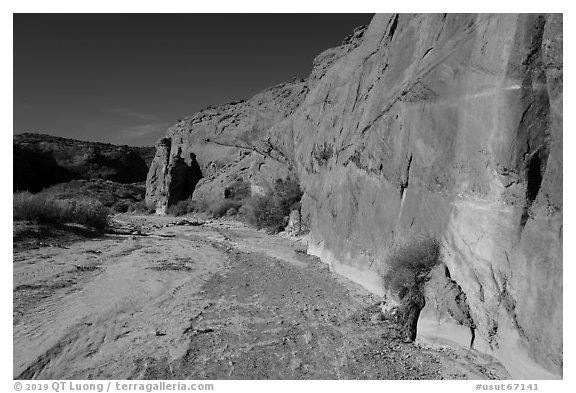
[[171, 178], [43, 160], [447, 127], [203, 154]]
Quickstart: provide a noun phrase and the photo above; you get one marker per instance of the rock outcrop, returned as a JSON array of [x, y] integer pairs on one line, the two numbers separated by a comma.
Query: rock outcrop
[[446, 127], [44, 160], [201, 155]]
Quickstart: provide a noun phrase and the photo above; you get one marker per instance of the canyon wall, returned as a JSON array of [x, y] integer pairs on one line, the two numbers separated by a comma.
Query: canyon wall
[[444, 127], [203, 154]]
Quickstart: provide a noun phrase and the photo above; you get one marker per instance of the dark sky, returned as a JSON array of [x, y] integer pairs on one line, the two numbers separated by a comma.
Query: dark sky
[[124, 78]]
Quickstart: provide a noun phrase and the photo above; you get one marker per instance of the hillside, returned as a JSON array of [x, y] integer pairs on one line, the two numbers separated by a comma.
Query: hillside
[[44, 160]]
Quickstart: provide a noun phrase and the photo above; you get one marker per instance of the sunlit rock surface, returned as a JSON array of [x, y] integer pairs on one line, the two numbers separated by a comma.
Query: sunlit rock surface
[[443, 126]]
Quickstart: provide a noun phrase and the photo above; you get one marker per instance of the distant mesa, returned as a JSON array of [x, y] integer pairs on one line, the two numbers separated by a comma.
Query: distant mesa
[[43, 160]]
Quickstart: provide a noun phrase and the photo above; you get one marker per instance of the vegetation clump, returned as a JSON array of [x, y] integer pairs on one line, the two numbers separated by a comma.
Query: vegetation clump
[[409, 267], [219, 208], [45, 208], [118, 197], [224, 207], [182, 207], [322, 153], [238, 191], [269, 211]]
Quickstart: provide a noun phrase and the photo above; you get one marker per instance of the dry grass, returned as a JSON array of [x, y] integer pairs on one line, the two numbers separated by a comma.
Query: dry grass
[[45, 208], [119, 198]]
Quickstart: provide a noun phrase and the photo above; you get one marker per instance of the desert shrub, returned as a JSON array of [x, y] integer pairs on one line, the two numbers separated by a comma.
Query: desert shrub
[[288, 194], [221, 208], [270, 211], [322, 153], [142, 207], [238, 190], [107, 192], [86, 211], [46, 208], [121, 207], [409, 267], [124, 192], [231, 212], [182, 207], [34, 207], [202, 205], [264, 212], [106, 197], [178, 209]]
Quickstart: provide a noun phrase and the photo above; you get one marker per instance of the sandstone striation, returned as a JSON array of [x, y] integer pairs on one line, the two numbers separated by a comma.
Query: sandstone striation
[[44, 160], [439, 126]]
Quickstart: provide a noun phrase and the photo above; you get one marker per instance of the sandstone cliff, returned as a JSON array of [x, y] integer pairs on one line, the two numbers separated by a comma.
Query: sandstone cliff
[[43, 160], [204, 153], [446, 127]]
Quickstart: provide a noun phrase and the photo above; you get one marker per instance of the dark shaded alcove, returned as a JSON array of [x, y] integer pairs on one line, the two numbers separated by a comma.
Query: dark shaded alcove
[[534, 177], [184, 178]]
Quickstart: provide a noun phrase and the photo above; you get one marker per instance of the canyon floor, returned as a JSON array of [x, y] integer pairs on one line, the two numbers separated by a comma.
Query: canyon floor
[[177, 298]]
